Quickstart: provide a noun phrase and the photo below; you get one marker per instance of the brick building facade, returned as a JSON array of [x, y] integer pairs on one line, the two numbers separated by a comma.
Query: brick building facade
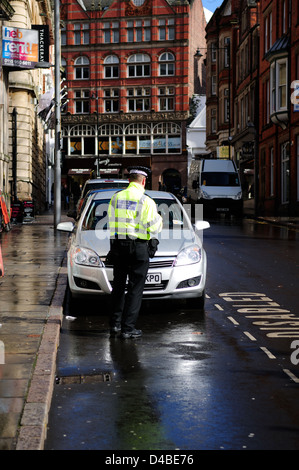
[[130, 73], [259, 115], [278, 118], [220, 61]]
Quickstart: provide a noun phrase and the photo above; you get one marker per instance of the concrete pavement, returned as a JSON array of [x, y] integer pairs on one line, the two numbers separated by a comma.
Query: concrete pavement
[[291, 222], [31, 308]]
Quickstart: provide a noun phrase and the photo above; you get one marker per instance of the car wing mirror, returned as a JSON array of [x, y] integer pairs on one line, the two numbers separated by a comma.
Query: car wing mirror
[[65, 226], [201, 225]]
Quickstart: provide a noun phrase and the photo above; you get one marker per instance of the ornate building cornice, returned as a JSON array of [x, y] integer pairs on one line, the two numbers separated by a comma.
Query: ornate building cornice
[[123, 118], [143, 10]]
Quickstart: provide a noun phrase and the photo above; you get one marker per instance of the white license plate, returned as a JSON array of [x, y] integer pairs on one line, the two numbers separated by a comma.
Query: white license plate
[[153, 278], [222, 209]]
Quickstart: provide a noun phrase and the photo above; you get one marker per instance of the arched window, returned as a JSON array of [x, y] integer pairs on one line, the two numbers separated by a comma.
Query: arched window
[[82, 129], [81, 68], [138, 129], [111, 66], [81, 140], [110, 139], [166, 64], [167, 138], [139, 65], [110, 129], [138, 138], [167, 128]]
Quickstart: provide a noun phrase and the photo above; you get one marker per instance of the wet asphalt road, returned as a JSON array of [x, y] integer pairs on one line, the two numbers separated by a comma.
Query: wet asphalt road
[[219, 379]]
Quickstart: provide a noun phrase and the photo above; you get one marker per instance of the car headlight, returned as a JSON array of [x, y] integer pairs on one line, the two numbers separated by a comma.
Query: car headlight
[[189, 255], [86, 257]]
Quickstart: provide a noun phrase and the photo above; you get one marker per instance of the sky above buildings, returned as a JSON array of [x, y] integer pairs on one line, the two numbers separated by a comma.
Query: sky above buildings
[[211, 4]]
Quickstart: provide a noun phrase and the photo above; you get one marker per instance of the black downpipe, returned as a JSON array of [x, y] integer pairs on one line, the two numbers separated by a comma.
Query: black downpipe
[[14, 154]]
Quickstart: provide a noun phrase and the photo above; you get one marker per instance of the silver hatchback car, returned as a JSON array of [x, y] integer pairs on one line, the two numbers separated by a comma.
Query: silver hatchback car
[[177, 271]]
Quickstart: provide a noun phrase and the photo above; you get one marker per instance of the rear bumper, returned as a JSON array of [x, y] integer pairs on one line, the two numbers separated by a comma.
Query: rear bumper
[[222, 205]]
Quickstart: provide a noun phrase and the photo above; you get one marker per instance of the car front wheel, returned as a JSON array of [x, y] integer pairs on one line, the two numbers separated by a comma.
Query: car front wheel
[[197, 303]]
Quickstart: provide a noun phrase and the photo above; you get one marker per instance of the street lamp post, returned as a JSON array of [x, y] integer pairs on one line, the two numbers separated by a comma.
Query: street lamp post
[[95, 96], [57, 154]]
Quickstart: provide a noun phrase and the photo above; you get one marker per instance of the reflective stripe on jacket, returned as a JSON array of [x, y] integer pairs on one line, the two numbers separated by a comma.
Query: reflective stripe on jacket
[[132, 213]]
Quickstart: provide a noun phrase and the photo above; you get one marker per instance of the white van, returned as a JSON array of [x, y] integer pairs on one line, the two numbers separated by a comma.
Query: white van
[[215, 183]]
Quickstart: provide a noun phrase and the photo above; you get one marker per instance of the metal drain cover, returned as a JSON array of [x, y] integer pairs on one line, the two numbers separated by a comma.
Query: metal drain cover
[[83, 379]]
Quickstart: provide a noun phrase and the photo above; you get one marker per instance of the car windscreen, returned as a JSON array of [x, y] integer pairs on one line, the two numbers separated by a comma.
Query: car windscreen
[[171, 212], [219, 179]]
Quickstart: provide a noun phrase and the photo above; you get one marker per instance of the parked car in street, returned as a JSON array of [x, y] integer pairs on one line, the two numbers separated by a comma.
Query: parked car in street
[[177, 271], [75, 214], [100, 183]]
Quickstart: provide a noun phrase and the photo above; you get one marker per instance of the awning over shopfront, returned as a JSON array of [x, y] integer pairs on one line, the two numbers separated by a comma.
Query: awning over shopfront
[[84, 171], [109, 171]]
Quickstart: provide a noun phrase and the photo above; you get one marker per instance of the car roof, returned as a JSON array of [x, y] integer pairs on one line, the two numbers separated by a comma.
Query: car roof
[[98, 190], [104, 194], [159, 194], [106, 180]]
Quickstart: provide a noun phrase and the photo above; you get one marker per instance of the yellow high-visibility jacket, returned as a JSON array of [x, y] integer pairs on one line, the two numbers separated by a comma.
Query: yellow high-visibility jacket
[[133, 214]]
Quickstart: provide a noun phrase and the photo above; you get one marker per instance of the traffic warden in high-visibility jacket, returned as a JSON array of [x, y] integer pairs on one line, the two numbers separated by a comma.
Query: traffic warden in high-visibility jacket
[[133, 222]]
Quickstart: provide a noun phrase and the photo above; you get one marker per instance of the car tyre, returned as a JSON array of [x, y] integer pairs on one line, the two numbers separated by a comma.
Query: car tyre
[[197, 303], [72, 306]]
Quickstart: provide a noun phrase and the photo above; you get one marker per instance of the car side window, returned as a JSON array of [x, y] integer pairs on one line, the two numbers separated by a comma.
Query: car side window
[[88, 220], [96, 218]]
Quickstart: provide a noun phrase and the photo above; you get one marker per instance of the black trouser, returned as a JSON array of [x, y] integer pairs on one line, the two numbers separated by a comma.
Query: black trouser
[[131, 260]]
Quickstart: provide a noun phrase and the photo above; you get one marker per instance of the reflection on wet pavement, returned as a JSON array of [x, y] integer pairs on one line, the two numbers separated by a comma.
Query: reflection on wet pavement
[[32, 255]]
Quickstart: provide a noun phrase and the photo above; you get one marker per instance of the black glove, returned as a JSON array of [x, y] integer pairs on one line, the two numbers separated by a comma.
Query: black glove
[[152, 247]]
